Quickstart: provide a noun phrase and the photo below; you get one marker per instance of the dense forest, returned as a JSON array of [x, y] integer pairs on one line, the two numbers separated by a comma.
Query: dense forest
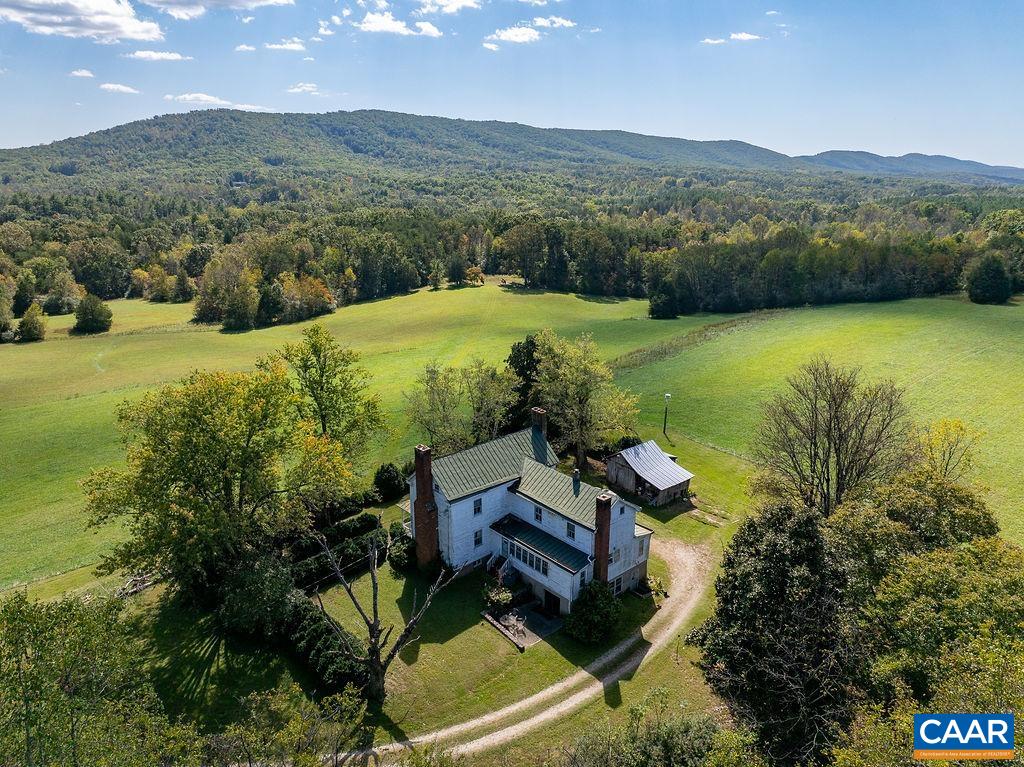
[[275, 218]]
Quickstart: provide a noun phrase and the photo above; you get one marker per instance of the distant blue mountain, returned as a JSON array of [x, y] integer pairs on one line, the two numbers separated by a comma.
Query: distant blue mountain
[[206, 147]]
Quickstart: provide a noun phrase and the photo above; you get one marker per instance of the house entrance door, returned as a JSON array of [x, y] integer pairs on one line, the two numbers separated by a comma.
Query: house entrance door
[[552, 604]]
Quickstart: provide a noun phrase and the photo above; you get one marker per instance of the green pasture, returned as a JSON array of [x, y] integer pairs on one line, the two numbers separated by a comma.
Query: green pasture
[[58, 397], [955, 359]]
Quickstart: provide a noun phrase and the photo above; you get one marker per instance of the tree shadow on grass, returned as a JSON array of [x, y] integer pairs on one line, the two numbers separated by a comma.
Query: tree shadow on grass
[[455, 609], [595, 299], [200, 673], [636, 613]]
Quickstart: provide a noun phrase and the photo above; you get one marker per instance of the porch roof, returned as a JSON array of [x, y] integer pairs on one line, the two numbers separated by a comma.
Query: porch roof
[[548, 546]]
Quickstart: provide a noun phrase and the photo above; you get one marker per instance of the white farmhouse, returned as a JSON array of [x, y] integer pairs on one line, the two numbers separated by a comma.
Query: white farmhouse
[[505, 499]]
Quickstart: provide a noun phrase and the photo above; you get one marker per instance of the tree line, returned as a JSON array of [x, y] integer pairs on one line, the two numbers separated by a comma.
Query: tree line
[[711, 250]]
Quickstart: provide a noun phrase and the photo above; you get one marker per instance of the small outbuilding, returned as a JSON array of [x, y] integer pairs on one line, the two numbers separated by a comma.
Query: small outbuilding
[[648, 471]]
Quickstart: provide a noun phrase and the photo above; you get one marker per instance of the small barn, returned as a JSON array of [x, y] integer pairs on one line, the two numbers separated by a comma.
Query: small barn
[[648, 471]]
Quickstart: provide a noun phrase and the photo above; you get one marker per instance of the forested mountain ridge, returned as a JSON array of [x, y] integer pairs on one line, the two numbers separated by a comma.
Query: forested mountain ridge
[[915, 164], [215, 149]]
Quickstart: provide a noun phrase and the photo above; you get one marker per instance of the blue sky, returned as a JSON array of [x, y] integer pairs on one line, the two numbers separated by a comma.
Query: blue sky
[[797, 77]]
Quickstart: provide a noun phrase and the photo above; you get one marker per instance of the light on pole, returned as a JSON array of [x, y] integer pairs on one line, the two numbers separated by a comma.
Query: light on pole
[[664, 425]]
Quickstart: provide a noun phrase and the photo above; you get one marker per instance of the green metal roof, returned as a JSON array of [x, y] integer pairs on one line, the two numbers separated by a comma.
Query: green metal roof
[[492, 463], [548, 546], [559, 492]]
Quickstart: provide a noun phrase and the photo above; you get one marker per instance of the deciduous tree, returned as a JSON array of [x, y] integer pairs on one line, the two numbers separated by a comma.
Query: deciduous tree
[[284, 728], [74, 690], [434, 405], [218, 466], [491, 392], [333, 390], [575, 386], [938, 599], [783, 647], [829, 436], [32, 326], [988, 280], [380, 651], [93, 316]]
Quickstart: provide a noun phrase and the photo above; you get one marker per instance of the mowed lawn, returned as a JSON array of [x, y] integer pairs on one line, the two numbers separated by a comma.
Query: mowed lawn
[[58, 397], [955, 359]]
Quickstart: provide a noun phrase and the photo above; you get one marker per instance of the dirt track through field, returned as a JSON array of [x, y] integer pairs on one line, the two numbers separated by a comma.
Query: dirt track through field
[[689, 568]]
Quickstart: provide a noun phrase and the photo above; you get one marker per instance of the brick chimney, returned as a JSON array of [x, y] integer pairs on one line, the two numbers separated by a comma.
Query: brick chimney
[[602, 536], [424, 511], [539, 420]]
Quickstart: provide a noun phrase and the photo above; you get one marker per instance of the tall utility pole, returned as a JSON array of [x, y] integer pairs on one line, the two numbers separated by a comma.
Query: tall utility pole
[[664, 425]]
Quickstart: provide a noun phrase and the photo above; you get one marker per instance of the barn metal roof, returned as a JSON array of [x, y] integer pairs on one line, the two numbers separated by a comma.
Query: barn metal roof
[[492, 463], [655, 466]]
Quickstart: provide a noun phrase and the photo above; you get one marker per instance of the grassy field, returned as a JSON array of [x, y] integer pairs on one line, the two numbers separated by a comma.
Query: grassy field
[[57, 398], [955, 359]]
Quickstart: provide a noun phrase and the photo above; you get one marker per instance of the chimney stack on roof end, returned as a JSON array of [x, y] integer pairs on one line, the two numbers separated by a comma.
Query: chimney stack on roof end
[[539, 420]]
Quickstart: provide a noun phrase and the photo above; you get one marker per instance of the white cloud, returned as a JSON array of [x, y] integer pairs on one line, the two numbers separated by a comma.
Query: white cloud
[[492, 46], [206, 100], [520, 34], [305, 88], [539, 2], [316, 39], [744, 36], [286, 44], [248, 19], [324, 28], [771, 13], [191, 9], [346, 12], [713, 40], [80, 73], [105, 21], [553, 21], [446, 6], [386, 22], [308, 58], [118, 88], [198, 98], [336, 20], [243, 48], [157, 56]]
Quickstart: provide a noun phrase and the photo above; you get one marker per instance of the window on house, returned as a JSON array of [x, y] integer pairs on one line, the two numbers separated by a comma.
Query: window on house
[[478, 506], [618, 585], [478, 538], [529, 558], [622, 510], [538, 514], [543, 567], [583, 578], [616, 555], [640, 548], [504, 547], [570, 531]]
